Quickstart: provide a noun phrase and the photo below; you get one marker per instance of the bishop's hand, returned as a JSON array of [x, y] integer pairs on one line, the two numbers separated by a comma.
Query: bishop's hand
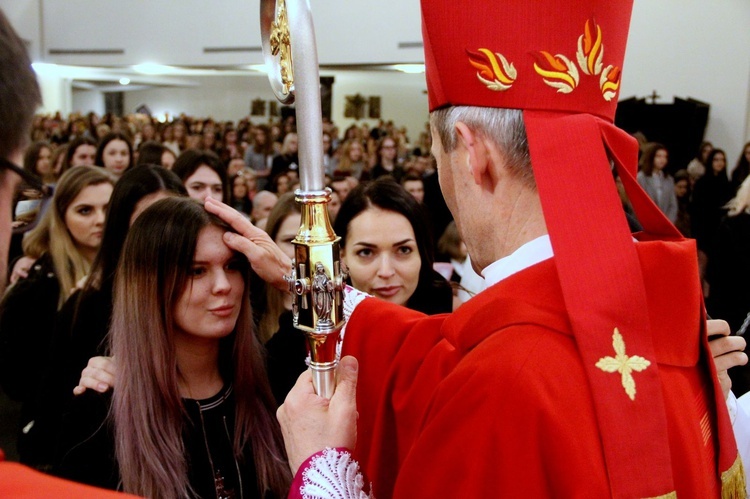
[[266, 258]]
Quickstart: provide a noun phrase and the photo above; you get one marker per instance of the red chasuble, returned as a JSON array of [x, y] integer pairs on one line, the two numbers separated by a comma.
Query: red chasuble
[[494, 401]]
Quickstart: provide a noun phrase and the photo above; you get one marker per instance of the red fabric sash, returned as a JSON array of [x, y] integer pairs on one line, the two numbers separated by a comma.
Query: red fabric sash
[[602, 283]]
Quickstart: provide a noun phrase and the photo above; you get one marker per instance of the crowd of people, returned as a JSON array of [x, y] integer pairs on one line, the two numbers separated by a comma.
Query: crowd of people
[[66, 299], [709, 202], [149, 259]]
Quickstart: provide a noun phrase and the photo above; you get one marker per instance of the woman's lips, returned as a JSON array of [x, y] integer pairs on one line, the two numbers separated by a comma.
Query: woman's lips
[[387, 291], [223, 311]]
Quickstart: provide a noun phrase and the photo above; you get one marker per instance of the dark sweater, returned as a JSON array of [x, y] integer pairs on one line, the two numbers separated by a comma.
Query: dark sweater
[[86, 452]]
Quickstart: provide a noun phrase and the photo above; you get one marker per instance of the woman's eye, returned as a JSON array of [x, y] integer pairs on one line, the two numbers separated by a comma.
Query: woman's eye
[[364, 253], [235, 265], [404, 250], [85, 210], [197, 271]]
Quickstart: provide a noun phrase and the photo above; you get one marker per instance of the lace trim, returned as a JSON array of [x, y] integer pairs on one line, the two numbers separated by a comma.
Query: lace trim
[[333, 474], [352, 298]]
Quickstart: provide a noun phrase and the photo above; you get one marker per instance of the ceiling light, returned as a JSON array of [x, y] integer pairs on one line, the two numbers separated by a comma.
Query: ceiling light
[[261, 68], [151, 68], [124, 81], [409, 68]]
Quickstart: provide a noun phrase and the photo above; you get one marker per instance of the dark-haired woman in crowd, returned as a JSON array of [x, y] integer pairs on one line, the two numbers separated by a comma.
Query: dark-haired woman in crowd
[[728, 273], [115, 153], [191, 414], [287, 160], [387, 160], [80, 152], [655, 180], [38, 160], [203, 174], [153, 153], [697, 166], [712, 192], [742, 170], [683, 193], [240, 200], [387, 246]]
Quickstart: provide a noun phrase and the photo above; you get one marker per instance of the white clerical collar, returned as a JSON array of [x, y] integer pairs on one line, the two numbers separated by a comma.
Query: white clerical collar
[[535, 251]]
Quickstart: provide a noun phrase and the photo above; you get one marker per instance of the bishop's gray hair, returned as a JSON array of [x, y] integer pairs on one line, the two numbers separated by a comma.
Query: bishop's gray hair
[[504, 127]]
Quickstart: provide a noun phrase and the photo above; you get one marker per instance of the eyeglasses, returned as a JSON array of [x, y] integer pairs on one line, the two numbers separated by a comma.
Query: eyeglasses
[[30, 198]]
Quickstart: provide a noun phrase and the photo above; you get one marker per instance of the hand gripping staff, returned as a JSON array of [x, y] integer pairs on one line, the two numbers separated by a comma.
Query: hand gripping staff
[[317, 278]]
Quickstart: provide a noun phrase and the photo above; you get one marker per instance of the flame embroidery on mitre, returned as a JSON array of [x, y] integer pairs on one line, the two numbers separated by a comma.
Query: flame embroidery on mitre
[[590, 49], [557, 71], [490, 72], [610, 82]]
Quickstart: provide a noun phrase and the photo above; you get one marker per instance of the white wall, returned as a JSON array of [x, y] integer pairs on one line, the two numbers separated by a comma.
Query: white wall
[[687, 48], [221, 97], [88, 100], [403, 98], [698, 49], [228, 97]]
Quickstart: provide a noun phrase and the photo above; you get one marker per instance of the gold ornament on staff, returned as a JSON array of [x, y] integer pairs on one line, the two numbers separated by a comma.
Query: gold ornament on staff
[[317, 278]]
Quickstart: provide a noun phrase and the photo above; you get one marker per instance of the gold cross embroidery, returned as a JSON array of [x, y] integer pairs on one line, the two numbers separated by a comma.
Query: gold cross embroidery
[[623, 364]]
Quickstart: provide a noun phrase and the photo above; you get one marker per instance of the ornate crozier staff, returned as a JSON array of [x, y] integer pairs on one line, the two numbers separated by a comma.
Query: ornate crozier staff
[[317, 280]]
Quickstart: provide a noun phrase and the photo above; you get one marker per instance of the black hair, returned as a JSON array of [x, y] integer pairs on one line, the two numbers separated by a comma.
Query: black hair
[[189, 161], [99, 160], [134, 185], [19, 91], [387, 194], [150, 153]]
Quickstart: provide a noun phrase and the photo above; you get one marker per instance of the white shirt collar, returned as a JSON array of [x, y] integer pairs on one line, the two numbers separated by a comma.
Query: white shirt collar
[[535, 251]]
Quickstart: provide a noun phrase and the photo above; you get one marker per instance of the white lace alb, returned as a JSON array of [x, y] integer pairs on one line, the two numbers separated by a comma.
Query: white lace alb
[[333, 475]]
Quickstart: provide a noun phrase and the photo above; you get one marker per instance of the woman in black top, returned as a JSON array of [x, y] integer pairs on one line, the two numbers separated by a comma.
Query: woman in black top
[[191, 413]]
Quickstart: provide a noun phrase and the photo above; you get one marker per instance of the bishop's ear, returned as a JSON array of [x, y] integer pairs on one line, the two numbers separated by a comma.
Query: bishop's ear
[[472, 148]]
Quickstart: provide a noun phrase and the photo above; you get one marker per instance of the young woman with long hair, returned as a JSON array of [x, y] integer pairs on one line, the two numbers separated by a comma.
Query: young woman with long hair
[[656, 181], [83, 321], [115, 153], [65, 241], [191, 413], [37, 160], [387, 246], [260, 154], [203, 174]]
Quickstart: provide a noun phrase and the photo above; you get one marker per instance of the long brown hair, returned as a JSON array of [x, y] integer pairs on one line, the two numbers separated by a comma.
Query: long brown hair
[[647, 161], [147, 410]]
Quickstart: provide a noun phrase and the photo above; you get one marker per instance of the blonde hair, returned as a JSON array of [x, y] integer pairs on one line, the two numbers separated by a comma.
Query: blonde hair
[[269, 321], [740, 202], [52, 236]]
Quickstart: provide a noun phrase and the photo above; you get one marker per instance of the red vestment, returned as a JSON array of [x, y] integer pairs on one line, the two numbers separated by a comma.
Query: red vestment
[[493, 400]]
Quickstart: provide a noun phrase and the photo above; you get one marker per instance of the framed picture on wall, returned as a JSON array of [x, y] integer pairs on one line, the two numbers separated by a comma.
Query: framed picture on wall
[[273, 108], [258, 107], [373, 110], [355, 107]]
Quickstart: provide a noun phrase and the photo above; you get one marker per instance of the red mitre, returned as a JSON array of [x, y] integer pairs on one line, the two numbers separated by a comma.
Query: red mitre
[[560, 62]]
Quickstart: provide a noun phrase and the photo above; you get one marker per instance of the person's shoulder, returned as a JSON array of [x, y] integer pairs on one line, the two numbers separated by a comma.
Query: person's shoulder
[[40, 282], [525, 356]]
